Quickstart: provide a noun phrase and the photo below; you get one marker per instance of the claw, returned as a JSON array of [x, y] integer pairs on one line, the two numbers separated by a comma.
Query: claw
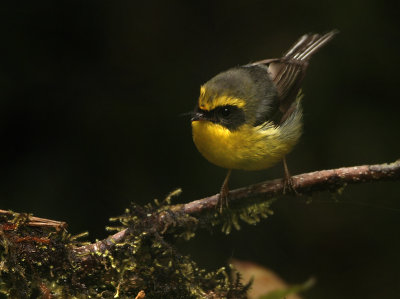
[[288, 184]]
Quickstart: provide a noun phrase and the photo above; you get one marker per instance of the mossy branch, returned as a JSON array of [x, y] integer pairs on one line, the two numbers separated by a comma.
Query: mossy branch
[[38, 256], [305, 184]]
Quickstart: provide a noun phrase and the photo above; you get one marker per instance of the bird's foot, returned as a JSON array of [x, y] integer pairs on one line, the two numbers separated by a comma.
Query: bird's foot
[[288, 184], [224, 193], [223, 198]]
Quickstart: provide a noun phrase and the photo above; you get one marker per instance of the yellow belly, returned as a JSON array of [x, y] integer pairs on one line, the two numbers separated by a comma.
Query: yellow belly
[[248, 148]]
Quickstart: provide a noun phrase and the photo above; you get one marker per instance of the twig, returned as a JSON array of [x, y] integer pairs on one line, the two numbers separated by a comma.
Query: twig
[[36, 221], [100, 246], [305, 184], [31, 248]]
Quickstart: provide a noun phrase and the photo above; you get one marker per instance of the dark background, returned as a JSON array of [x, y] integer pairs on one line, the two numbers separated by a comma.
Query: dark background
[[91, 96]]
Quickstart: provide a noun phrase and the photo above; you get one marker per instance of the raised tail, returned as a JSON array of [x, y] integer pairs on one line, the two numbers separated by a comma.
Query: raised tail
[[307, 45], [288, 72]]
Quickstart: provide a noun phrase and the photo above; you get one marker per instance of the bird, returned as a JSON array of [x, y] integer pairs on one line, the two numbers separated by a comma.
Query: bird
[[249, 117]]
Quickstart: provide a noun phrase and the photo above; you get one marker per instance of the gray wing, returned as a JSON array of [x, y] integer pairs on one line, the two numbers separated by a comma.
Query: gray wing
[[288, 71]]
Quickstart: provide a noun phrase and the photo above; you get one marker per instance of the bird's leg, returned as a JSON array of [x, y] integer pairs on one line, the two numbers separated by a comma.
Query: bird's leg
[[288, 185], [223, 193]]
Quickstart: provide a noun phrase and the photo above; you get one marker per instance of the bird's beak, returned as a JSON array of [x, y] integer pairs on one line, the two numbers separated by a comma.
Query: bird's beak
[[198, 116]]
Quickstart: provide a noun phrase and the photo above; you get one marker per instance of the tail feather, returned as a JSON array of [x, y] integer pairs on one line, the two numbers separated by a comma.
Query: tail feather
[[308, 45], [288, 72]]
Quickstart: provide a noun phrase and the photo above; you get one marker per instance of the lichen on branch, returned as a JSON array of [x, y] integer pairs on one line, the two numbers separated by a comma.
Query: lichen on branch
[[43, 260], [38, 257]]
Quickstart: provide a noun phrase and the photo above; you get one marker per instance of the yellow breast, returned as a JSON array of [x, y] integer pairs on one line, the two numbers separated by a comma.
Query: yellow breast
[[248, 148]]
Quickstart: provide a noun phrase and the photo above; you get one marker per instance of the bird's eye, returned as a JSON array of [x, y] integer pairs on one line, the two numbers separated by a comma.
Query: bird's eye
[[225, 111]]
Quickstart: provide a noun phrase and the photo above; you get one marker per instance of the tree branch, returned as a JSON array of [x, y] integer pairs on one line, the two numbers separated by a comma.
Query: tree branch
[[39, 255], [304, 184]]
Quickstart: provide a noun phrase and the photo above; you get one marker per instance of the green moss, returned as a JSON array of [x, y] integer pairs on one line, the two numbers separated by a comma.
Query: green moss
[[36, 261], [251, 214]]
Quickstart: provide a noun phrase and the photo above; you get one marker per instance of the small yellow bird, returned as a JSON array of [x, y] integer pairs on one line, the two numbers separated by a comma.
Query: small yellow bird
[[249, 117]]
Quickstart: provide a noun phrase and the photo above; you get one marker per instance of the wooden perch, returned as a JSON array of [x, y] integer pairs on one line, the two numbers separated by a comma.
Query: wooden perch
[[304, 184], [40, 256]]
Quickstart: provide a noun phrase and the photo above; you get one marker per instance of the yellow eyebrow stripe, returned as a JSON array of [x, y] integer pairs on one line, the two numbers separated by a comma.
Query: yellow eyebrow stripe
[[210, 103]]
